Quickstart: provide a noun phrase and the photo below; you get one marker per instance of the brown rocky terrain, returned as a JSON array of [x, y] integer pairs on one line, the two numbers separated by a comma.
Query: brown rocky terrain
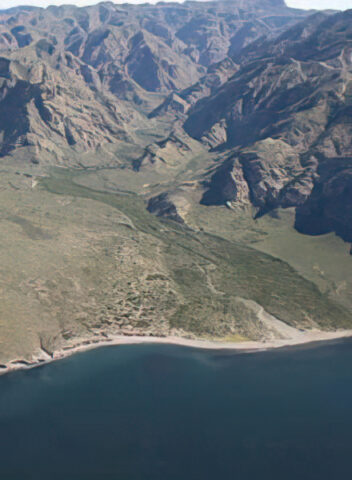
[[77, 78], [43, 122], [129, 48], [286, 116], [194, 142]]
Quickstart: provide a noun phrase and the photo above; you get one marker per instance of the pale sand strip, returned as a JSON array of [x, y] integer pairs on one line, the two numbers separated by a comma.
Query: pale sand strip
[[300, 338]]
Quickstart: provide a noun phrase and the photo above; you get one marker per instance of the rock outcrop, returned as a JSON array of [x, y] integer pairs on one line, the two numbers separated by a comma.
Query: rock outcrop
[[170, 205], [51, 112], [267, 86], [329, 207], [286, 114]]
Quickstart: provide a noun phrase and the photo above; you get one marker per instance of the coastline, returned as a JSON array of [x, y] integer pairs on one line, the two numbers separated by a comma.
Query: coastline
[[303, 338]]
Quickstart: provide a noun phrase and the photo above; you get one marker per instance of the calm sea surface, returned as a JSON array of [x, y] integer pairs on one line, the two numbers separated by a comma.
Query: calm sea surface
[[159, 412]]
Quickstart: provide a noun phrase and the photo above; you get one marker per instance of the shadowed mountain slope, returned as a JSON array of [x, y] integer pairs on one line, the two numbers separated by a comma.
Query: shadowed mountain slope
[[286, 115]]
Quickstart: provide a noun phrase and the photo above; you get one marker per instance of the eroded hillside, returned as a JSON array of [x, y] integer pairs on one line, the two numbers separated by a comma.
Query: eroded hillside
[[178, 169]]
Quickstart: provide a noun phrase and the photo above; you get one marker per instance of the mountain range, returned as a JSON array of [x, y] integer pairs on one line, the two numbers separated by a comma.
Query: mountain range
[[178, 169]]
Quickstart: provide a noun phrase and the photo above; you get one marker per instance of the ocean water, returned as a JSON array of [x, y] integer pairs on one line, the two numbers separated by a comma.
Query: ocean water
[[160, 412]]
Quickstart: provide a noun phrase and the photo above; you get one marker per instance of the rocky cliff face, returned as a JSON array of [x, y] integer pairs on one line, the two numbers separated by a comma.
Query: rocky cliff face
[[286, 115], [329, 207], [50, 112], [160, 48], [66, 72]]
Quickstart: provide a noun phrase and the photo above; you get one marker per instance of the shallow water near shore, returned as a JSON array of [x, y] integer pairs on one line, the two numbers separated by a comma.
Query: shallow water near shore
[[164, 412]]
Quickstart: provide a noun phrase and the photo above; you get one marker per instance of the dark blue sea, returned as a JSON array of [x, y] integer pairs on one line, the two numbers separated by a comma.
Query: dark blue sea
[[160, 412]]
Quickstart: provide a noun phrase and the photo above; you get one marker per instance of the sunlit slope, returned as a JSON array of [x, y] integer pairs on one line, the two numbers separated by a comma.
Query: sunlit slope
[[80, 265]]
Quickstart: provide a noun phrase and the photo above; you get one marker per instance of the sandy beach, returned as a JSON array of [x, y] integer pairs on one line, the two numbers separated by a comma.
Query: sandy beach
[[300, 338]]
